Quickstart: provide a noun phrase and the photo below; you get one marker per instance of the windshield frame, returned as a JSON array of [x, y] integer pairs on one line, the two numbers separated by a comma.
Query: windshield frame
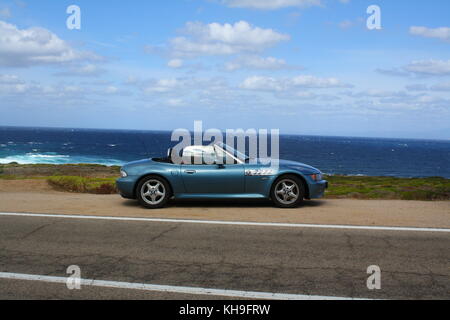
[[235, 154]]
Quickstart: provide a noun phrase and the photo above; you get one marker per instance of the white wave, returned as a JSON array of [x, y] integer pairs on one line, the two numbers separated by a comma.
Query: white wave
[[46, 156], [51, 158]]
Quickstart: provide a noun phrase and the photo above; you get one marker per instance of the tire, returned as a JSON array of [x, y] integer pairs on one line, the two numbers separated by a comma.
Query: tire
[[288, 192], [153, 192]]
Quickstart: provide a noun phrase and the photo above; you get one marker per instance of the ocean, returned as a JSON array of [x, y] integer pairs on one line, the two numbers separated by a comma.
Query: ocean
[[333, 155]]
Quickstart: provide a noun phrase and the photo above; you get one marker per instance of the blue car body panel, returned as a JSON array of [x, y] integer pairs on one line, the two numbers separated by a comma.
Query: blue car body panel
[[209, 179], [218, 182]]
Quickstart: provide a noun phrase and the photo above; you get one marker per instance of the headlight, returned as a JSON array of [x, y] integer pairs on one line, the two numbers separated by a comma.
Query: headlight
[[317, 177], [123, 174]]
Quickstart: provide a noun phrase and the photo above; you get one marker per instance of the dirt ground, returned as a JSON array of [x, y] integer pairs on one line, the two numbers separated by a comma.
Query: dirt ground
[[35, 196]]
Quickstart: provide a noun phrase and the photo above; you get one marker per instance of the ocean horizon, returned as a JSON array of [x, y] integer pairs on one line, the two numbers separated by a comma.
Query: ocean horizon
[[399, 157]]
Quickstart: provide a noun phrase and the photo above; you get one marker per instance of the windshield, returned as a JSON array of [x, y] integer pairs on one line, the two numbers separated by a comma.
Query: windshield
[[233, 151]]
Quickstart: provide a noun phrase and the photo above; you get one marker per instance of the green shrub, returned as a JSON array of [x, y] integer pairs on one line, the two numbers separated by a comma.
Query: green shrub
[[340, 186], [83, 184], [427, 189]]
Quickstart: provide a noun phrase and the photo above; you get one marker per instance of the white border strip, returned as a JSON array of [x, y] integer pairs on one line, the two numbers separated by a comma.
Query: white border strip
[[227, 223], [171, 289]]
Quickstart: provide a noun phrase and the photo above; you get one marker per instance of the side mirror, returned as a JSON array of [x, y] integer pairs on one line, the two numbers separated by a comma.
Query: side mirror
[[220, 166]]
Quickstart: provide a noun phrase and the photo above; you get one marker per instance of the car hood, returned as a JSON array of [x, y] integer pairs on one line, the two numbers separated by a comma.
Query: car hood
[[137, 163]]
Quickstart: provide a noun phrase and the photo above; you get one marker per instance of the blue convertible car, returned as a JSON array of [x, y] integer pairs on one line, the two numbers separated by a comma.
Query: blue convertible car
[[221, 173]]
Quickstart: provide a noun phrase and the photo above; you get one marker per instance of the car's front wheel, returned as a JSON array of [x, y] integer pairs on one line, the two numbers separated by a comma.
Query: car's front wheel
[[153, 192], [288, 192]]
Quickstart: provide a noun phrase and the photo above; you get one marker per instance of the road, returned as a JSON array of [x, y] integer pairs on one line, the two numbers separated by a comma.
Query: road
[[267, 259], [36, 196]]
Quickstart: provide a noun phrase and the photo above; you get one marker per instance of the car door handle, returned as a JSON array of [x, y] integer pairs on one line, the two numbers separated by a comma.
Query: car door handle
[[191, 171]]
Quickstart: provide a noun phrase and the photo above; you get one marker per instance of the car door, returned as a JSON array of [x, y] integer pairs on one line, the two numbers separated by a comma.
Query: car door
[[213, 178]]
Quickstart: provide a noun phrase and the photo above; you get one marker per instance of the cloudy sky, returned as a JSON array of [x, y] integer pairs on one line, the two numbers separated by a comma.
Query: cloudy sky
[[303, 66]]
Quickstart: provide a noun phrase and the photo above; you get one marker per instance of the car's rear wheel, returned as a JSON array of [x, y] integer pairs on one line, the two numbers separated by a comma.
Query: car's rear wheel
[[288, 192], [153, 192]]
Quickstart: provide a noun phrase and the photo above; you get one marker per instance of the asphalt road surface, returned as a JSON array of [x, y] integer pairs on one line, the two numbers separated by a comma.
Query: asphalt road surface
[[283, 260]]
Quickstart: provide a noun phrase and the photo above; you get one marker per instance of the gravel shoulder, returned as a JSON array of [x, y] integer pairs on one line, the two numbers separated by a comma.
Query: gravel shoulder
[[35, 196]]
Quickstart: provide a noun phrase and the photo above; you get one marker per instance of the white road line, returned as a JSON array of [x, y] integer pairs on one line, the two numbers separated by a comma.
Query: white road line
[[227, 223], [171, 289]]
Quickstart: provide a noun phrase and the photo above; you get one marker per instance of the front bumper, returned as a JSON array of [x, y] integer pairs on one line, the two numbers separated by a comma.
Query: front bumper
[[126, 187], [317, 189]]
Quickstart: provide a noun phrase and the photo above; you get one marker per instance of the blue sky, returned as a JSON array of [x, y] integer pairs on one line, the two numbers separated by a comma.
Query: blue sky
[[303, 66]]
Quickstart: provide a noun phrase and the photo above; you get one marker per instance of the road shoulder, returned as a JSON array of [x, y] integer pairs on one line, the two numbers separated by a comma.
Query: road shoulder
[[395, 213]]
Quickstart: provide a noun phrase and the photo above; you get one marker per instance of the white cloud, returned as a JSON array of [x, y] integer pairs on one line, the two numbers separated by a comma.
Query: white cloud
[[5, 13], [417, 87], [381, 94], [314, 82], [346, 24], [175, 102], [306, 95], [398, 72], [175, 63], [223, 39], [36, 46], [106, 91], [376, 93], [86, 70], [256, 62], [429, 67], [12, 86], [271, 4], [9, 79], [175, 86], [421, 68], [397, 102], [286, 84], [438, 33], [443, 86], [164, 85], [262, 84], [195, 92]]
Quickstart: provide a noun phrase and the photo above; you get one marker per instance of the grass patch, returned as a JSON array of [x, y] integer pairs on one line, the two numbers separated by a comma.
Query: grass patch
[[14, 177], [424, 189], [44, 165], [83, 184], [49, 170], [98, 179]]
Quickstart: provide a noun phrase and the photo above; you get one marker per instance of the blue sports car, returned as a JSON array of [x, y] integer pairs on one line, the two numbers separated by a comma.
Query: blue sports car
[[154, 182]]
